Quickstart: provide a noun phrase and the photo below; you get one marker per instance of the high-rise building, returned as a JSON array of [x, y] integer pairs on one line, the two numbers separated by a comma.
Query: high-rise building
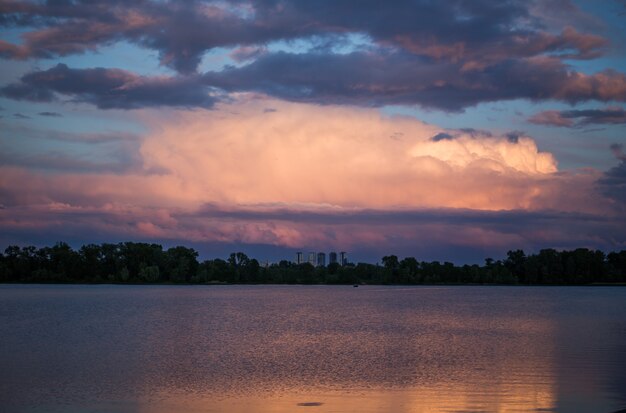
[[321, 259], [299, 257], [332, 257], [312, 257], [343, 258]]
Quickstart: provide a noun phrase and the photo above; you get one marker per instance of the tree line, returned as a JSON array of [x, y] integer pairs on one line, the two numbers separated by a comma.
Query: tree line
[[135, 262]]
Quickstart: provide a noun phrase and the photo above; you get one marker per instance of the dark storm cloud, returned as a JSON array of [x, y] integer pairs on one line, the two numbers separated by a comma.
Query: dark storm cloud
[[511, 219], [182, 31], [21, 91], [368, 79], [109, 88], [578, 118], [530, 229], [435, 233], [447, 55]]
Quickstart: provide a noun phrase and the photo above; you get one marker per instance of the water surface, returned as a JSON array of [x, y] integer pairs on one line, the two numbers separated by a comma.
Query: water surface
[[312, 349]]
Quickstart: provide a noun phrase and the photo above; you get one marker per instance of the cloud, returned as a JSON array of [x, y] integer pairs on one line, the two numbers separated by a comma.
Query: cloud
[[442, 55], [422, 233], [336, 215], [22, 91], [109, 88], [312, 155], [442, 136], [309, 154], [409, 230], [182, 32], [366, 79], [514, 136], [20, 116], [613, 182], [579, 118], [551, 118], [51, 114], [244, 53], [618, 151], [305, 176]]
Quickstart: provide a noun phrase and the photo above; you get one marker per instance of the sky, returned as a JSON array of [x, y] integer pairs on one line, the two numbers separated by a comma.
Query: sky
[[445, 130]]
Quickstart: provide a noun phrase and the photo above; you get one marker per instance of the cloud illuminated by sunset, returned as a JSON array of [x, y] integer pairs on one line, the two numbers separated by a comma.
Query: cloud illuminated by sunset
[[446, 128]]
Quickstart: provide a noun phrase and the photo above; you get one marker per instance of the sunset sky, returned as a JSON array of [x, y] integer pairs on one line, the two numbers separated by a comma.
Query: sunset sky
[[445, 130]]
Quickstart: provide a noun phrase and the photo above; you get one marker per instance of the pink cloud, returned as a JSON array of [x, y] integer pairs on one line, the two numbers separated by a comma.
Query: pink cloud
[[551, 118], [340, 156], [308, 175], [605, 86]]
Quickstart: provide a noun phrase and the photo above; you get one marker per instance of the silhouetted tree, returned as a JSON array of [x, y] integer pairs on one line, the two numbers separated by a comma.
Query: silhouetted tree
[[143, 262], [181, 263]]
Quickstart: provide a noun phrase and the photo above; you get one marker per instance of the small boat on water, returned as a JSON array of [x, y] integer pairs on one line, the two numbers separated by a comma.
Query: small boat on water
[[355, 285]]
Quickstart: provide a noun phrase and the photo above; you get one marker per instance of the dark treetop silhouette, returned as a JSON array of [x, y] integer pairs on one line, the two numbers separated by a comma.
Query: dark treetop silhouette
[[132, 262]]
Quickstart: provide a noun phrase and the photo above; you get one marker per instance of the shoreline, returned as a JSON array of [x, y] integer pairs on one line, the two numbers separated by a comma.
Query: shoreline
[[322, 284]]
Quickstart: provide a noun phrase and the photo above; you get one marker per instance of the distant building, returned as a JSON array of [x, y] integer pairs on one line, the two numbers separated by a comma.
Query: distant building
[[299, 257], [321, 259], [332, 258], [343, 258], [312, 257]]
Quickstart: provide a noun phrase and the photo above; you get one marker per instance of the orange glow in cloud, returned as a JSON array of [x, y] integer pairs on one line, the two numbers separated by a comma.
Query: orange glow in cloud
[[323, 155], [253, 162]]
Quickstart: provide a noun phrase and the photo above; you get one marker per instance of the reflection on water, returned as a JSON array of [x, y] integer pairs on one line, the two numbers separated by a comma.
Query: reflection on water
[[312, 349]]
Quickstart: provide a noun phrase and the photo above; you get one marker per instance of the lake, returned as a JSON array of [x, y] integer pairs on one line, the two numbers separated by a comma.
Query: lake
[[311, 349]]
